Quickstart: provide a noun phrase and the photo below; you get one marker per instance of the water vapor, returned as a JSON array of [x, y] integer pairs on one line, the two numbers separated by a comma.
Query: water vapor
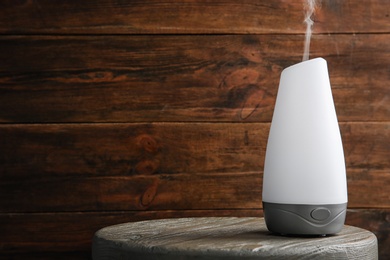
[[310, 7]]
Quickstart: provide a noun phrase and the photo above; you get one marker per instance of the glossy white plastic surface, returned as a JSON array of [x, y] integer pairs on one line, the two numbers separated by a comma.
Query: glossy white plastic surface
[[304, 161]]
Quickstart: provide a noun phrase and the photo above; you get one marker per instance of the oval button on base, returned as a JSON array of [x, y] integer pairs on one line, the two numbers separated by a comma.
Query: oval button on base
[[320, 214]]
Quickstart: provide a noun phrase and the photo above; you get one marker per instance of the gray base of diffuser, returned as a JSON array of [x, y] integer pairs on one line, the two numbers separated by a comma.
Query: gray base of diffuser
[[295, 219]]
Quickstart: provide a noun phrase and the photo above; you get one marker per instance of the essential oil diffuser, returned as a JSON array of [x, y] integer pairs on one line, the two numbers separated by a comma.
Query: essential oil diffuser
[[304, 184]]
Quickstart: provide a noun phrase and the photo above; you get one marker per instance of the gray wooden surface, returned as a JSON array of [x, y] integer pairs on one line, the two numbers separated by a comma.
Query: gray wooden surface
[[225, 238]]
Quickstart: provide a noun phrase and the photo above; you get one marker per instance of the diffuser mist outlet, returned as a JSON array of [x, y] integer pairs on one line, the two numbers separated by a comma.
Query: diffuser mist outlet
[[304, 184]]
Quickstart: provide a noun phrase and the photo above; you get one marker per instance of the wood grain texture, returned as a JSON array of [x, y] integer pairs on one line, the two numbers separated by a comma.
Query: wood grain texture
[[189, 17], [234, 191], [231, 238], [54, 234], [378, 221], [115, 111], [158, 192], [181, 78], [163, 166], [71, 150], [67, 150]]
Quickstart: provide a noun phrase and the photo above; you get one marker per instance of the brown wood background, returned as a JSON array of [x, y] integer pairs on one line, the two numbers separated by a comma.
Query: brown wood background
[[118, 111]]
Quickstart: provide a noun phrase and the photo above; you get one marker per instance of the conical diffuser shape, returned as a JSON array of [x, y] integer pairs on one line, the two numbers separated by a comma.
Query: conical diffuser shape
[[304, 162]]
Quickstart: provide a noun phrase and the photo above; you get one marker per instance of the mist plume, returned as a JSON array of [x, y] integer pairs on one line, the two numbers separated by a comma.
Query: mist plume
[[310, 7]]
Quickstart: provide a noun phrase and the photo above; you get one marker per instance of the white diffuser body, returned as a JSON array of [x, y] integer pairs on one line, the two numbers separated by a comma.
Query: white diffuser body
[[304, 184]]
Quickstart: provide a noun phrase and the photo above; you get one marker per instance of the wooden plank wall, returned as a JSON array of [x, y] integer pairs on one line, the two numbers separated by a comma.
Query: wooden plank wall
[[117, 111]]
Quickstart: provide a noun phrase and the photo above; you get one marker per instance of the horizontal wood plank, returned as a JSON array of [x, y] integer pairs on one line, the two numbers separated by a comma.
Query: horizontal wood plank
[[66, 150], [181, 78], [55, 233], [168, 192], [157, 192], [198, 17], [156, 166]]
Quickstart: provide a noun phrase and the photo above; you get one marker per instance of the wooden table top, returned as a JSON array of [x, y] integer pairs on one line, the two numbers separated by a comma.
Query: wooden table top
[[225, 238]]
